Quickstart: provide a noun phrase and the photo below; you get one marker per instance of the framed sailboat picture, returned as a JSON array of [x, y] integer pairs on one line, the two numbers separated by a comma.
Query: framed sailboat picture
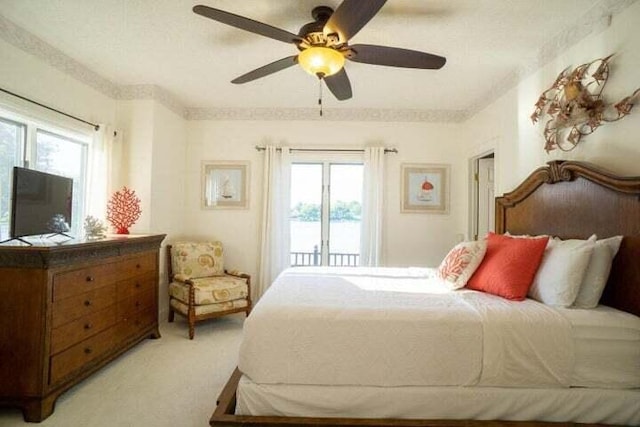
[[225, 185], [425, 188]]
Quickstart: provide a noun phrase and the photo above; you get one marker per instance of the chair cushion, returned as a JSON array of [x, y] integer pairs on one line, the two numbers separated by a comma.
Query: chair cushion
[[211, 290], [191, 260], [209, 308]]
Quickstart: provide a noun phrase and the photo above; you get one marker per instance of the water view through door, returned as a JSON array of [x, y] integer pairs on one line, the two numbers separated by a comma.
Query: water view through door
[[326, 200]]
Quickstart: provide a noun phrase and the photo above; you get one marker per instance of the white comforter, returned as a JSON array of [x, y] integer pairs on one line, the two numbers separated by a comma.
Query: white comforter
[[399, 327]]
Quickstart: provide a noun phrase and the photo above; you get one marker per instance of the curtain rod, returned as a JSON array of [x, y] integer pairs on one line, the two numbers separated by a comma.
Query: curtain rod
[[95, 126], [342, 150]]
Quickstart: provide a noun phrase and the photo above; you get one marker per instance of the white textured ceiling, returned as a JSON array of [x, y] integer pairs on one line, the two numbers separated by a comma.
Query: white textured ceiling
[[163, 43]]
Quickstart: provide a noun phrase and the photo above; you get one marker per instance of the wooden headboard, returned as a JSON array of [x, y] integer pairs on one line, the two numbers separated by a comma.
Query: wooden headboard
[[575, 200]]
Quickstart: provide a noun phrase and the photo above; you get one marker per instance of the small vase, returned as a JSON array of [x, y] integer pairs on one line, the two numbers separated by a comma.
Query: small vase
[[122, 230]]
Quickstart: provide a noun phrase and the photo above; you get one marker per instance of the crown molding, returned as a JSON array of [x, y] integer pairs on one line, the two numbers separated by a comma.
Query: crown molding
[[329, 114], [154, 93]]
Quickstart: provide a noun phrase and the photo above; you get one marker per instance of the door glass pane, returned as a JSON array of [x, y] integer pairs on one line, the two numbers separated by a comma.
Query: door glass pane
[[344, 214], [63, 156], [11, 143], [306, 213]]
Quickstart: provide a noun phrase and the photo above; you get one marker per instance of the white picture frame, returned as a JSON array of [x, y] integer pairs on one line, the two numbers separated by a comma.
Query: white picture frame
[[225, 184], [425, 188]]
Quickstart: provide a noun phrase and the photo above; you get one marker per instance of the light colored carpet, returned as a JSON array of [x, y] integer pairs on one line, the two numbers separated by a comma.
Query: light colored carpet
[[171, 381]]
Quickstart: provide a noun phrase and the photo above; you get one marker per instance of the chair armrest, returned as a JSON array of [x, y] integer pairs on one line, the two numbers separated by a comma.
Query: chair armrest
[[183, 279], [238, 273]]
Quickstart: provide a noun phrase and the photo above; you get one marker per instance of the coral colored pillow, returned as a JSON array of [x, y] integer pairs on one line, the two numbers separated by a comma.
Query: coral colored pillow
[[460, 263], [509, 266]]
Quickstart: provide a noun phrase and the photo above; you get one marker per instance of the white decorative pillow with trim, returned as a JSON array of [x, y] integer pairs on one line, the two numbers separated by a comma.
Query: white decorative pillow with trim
[[461, 262], [597, 274], [561, 271]]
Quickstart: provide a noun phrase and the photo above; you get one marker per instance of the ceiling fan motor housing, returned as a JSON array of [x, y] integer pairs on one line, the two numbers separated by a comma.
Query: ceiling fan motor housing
[[313, 32]]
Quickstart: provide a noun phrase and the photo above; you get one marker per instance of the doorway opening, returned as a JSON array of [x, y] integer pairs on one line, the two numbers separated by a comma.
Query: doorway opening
[[482, 212]]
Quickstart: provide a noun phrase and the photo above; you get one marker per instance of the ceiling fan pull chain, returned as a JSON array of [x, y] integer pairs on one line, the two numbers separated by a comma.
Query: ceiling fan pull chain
[[320, 94]]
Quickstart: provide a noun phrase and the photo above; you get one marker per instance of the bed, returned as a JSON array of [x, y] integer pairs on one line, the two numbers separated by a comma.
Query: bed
[[308, 375]]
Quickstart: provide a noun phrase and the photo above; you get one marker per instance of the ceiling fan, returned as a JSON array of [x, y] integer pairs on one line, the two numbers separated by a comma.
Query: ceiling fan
[[324, 44]]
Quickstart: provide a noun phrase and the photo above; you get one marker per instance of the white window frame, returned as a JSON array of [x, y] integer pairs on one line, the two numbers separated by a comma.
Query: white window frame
[[56, 125], [326, 159]]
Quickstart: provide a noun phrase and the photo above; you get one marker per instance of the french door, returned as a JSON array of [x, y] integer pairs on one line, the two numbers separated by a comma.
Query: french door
[[325, 216]]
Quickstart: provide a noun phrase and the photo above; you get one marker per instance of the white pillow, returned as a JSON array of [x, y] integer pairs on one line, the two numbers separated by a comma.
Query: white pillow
[[461, 262], [595, 278], [561, 271]]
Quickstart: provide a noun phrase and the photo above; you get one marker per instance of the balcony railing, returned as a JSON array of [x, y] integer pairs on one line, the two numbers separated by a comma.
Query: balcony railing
[[302, 259]]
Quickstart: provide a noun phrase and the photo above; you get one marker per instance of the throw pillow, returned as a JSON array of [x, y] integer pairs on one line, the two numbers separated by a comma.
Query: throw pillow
[[461, 262], [561, 271], [597, 274], [509, 266]]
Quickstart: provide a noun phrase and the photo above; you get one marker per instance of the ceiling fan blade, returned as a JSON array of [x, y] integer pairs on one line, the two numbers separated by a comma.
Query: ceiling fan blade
[[247, 24], [351, 16], [395, 57], [263, 71], [339, 85]]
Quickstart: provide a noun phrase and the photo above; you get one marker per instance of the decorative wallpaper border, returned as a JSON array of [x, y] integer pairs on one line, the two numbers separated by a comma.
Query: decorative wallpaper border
[[594, 21], [330, 114], [152, 92]]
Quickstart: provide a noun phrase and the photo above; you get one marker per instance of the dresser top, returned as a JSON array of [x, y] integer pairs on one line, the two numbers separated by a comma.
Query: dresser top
[[47, 253]]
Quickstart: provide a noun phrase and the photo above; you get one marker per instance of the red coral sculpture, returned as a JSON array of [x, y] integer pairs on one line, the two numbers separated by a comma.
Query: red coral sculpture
[[123, 210]]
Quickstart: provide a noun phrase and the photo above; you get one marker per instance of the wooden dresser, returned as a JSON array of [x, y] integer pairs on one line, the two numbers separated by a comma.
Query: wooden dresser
[[68, 309]]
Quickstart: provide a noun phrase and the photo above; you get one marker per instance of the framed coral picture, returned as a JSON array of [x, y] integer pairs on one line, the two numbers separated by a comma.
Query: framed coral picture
[[225, 185], [425, 188]]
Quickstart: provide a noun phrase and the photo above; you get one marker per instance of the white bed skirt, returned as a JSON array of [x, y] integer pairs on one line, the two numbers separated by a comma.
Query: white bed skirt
[[580, 405]]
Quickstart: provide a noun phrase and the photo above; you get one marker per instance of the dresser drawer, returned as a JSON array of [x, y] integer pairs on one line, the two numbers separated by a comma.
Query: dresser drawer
[[80, 329], [70, 283], [69, 309], [136, 323], [129, 306], [138, 264], [75, 358], [136, 285]]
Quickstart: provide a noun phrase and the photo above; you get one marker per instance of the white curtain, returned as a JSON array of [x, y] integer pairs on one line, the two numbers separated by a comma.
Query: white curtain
[[275, 242], [372, 207], [99, 168]]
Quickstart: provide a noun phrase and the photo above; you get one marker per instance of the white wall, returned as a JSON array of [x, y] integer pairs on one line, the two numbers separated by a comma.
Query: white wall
[[410, 239], [152, 162], [506, 127]]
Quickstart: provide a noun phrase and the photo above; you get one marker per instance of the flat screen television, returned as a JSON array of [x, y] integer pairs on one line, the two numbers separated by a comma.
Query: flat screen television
[[41, 203]]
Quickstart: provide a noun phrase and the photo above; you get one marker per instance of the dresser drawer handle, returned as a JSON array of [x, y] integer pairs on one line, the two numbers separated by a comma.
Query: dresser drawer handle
[[88, 350], [87, 303], [89, 279], [138, 265], [137, 303], [88, 326], [138, 285]]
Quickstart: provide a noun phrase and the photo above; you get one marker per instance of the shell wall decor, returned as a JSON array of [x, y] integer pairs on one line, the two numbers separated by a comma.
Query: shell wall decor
[[575, 105]]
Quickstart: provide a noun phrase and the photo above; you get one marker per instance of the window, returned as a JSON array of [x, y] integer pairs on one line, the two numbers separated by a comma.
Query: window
[[27, 142], [64, 156], [326, 200]]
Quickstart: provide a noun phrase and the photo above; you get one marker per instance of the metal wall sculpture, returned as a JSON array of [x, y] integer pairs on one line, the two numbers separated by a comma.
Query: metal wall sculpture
[[575, 106]]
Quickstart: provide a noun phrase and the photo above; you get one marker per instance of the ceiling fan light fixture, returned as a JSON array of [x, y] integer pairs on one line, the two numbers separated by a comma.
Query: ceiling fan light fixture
[[321, 61]]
